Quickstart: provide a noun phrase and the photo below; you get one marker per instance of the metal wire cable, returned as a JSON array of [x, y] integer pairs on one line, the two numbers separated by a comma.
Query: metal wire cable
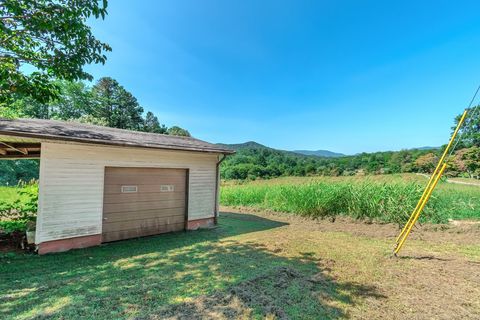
[[471, 116]]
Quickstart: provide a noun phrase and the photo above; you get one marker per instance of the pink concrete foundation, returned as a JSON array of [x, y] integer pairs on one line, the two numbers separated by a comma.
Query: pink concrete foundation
[[68, 244], [200, 223], [95, 240]]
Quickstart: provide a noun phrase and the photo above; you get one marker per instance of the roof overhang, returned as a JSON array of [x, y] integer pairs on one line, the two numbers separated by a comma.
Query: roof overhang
[[12, 147], [41, 137], [37, 130]]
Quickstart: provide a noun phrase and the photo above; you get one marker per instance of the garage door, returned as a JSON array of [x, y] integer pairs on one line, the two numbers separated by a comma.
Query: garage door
[[143, 201]]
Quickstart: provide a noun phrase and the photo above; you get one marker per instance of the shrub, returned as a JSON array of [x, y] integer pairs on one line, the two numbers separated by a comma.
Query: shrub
[[10, 226], [23, 208], [17, 214]]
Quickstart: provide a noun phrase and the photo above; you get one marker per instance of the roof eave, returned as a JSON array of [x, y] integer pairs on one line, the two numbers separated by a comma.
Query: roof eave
[[114, 143]]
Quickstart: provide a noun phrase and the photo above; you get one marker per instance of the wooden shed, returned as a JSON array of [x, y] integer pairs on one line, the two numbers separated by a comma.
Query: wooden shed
[[100, 184]]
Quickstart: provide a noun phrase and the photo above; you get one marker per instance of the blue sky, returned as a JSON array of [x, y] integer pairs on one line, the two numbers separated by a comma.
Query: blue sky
[[347, 76]]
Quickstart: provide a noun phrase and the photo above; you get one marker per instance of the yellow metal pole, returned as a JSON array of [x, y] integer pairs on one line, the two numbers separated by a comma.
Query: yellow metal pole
[[432, 178], [427, 197], [422, 206], [454, 135]]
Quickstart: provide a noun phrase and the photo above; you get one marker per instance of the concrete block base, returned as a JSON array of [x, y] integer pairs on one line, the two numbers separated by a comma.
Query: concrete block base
[[200, 223], [95, 240], [68, 244]]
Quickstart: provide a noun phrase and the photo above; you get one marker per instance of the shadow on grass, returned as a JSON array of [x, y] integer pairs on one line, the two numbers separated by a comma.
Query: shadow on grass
[[192, 275]]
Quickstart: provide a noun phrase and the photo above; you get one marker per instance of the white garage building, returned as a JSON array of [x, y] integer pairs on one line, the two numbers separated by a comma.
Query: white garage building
[[100, 184]]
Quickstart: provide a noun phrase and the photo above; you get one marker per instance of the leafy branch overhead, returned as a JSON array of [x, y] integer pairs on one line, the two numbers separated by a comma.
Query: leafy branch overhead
[[49, 38]]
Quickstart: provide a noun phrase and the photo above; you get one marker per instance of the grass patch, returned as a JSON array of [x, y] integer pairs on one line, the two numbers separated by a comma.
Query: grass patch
[[250, 267], [150, 276]]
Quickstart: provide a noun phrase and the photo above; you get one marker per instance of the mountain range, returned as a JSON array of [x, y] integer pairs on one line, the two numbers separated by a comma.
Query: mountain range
[[256, 145], [320, 153], [314, 153]]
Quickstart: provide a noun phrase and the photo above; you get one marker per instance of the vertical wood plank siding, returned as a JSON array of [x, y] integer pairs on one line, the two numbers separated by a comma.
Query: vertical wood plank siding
[[72, 179]]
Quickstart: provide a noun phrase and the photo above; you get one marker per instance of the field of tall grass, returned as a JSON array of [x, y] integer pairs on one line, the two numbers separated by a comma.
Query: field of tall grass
[[387, 198]]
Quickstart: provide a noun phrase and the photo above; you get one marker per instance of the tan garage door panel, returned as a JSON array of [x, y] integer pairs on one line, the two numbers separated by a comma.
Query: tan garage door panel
[[143, 201]]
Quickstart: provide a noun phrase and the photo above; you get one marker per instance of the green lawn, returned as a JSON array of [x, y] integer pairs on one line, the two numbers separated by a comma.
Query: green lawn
[[249, 267], [256, 265], [139, 277]]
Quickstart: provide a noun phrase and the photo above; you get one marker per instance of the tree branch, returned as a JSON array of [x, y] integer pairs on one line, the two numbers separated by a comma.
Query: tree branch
[[15, 17]]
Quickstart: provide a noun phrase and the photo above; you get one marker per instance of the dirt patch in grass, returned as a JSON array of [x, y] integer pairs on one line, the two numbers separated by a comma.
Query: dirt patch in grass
[[241, 300], [13, 243], [269, 296], [436, 276]]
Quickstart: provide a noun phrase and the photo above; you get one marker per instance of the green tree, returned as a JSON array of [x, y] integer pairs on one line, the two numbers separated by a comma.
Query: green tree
[[471, 159], [177, 131], [27, 107], [90, 119], [151, 124], [107, 104], [14, 171], [426, 163], [75, 101], [116, 105], [470, 131], [53, 39]]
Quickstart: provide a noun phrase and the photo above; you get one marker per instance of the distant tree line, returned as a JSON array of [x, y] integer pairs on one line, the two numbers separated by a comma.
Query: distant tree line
[[268, 163], [107, 103], [253, 163]]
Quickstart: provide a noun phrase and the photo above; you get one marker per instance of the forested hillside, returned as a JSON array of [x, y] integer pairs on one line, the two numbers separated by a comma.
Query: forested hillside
[[261, 162], [254, 160]]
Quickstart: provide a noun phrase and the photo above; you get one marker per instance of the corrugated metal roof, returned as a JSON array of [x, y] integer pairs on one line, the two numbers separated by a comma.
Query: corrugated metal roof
[[86, 133]]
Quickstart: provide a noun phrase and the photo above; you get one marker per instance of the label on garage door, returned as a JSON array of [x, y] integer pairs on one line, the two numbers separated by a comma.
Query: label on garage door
[[167, 188], [129, 189]]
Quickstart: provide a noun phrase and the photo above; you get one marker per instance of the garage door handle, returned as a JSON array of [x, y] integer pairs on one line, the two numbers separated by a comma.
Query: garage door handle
[[105, 219]]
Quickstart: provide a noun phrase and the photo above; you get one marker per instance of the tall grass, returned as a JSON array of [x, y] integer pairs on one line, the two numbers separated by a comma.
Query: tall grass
[[371, 200]]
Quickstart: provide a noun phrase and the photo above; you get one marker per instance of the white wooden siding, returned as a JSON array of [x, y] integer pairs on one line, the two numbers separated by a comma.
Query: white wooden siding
[[71, 184]]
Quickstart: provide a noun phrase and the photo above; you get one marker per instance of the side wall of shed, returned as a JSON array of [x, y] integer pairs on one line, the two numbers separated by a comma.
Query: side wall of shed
[[72, 176]]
